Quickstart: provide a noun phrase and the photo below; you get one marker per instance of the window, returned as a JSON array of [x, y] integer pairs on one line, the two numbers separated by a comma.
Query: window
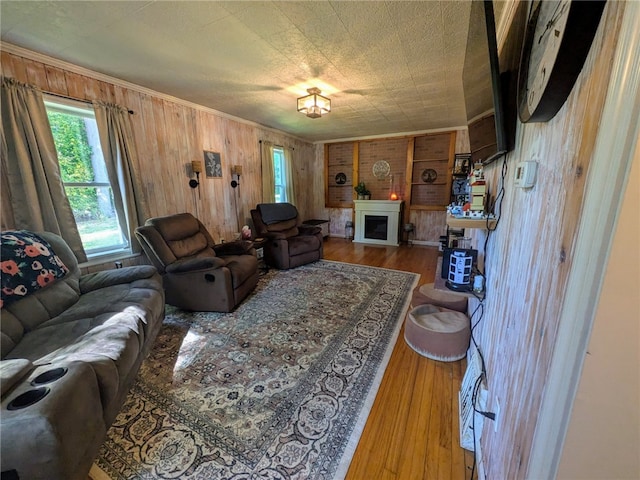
[[85, 178], [279, 175]]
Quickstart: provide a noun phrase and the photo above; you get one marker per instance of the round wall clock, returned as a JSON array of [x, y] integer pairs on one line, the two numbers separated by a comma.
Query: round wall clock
[[557, 40]]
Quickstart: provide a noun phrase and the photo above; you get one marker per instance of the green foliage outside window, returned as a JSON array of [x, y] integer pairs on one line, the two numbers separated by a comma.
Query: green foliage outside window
[[74, 158]]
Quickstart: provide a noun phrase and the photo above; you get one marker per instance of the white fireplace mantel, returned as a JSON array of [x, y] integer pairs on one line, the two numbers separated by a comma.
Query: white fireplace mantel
[[391, 209]]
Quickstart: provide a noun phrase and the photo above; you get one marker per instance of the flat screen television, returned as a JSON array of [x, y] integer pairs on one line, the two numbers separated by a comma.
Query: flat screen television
[[490, 83]]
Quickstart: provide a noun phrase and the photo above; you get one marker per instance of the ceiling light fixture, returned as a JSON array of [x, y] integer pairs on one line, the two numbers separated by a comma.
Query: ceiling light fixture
[[314, 105]]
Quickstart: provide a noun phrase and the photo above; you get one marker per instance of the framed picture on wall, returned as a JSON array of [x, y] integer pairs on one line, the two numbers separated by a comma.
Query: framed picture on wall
[[462, 164], [212, 164]]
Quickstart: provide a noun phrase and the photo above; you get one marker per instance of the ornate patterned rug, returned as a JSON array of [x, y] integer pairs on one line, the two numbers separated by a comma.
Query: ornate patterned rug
[[278, 389]]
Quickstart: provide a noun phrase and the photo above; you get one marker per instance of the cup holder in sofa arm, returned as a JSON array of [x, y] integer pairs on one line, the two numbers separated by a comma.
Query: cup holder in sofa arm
[[49, 376], [28, 398]]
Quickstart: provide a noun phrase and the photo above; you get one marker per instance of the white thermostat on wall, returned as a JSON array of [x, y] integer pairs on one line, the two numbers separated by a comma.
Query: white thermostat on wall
[[526, 174]]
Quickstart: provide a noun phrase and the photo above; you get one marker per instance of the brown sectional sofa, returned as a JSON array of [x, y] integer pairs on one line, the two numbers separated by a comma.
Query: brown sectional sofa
[[96, 329]]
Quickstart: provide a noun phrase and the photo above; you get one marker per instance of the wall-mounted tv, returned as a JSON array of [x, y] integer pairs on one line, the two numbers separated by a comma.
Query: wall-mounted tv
[[490, 83]]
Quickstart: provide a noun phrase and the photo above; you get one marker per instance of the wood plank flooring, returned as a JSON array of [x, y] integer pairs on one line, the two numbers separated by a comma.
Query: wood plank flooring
[[412, 432]]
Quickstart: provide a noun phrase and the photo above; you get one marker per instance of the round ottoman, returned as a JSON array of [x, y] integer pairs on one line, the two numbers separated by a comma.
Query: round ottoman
[[428, 294], [436, 334]]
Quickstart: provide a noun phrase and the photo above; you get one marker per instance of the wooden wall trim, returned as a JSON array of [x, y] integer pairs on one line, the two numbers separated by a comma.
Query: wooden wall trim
[[407, 179], [608, 172], [402, 134], [504, 22]]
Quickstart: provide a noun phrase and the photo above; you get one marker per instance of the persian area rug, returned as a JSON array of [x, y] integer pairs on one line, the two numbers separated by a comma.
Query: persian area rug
[[278, 389]]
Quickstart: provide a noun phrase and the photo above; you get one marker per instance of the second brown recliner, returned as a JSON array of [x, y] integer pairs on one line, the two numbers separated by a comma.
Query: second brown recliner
[[198, 275], [290, 243]]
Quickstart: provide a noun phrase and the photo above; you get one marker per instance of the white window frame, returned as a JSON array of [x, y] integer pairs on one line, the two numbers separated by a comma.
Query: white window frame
[[81, 109], [279, 176]]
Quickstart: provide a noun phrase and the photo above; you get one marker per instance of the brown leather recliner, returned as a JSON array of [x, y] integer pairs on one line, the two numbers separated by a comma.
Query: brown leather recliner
[[198, 274], [290, 243]]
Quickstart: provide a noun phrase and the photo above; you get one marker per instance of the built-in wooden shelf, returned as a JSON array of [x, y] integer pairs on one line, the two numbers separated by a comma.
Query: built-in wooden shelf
[[431, 160], [433, 152], [483, 223]]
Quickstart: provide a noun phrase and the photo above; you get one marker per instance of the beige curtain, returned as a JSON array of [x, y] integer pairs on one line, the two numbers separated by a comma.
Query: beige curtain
[[7, 222], [268, 185], [38, 201], [118, 149], [289, 175]]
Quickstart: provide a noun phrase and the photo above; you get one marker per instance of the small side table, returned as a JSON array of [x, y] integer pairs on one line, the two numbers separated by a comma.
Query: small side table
[[323, 224], [258, 244]]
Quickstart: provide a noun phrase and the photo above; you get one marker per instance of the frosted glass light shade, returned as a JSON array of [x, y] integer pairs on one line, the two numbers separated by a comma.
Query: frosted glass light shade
[[314, 105], [196, 166]]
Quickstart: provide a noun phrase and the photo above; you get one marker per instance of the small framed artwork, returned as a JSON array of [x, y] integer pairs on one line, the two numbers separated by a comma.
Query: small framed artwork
[[462, 164], [212, 164]]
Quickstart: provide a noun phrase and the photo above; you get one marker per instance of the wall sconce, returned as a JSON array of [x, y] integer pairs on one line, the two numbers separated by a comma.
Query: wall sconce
[[196, 167], [314, 105], [237, 171]]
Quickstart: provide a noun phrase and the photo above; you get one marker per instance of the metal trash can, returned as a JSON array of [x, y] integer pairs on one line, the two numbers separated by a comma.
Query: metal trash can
[[348, 230]]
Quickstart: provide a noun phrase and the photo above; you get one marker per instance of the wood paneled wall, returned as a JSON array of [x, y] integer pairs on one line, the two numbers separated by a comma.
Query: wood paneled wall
[[429, 225], [170, 134], [530, 255]]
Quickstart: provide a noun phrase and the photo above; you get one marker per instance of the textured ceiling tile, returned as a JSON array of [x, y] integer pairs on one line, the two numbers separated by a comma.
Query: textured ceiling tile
[[254, 19], [301, 12], [389, 65], [180, 17], [365, 21]]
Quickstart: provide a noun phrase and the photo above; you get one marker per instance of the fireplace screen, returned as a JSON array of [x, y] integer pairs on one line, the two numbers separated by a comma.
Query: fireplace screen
[[375, 227]]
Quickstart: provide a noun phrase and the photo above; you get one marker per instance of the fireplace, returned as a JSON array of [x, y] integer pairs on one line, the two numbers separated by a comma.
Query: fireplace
[[375, 227], [377, 221]]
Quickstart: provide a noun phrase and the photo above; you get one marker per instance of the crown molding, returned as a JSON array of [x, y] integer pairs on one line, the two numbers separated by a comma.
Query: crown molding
[[506, 19], [55, 62], [392, 135]]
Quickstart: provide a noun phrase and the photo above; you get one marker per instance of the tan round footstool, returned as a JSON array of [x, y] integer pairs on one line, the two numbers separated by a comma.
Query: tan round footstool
[[439, 335], [428, 294]]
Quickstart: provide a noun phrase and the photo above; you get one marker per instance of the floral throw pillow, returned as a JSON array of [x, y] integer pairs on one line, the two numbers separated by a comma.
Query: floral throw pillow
[[28, 263]]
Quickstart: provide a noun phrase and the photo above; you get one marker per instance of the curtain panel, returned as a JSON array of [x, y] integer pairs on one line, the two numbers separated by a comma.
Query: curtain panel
[[289, 174], [268, 181], [37, 199], [118, 149]]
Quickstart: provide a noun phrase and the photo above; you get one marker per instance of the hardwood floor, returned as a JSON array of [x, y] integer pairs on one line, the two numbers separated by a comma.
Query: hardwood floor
[[412, 431]]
